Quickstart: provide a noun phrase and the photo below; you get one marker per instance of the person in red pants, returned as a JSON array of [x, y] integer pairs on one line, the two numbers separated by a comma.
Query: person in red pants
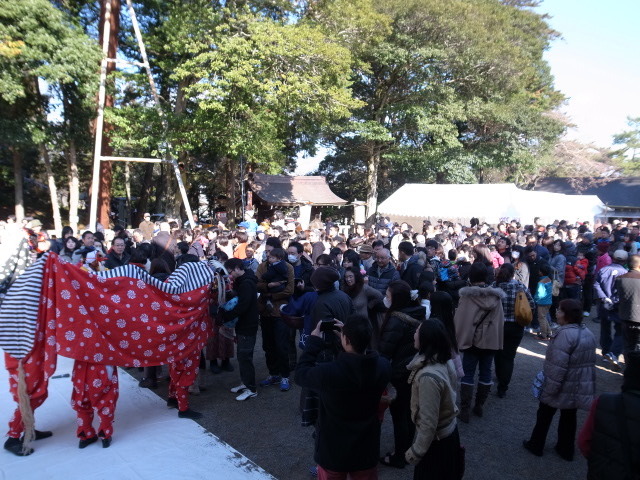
[[94, 387], [181, 376]]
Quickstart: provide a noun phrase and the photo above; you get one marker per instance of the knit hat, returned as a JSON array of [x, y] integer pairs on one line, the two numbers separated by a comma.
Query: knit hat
[[323, 278], [621, 255]]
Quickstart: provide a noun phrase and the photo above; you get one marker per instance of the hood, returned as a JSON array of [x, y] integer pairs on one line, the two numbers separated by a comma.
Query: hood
[[485, 298], [362, 369], [248, 276]]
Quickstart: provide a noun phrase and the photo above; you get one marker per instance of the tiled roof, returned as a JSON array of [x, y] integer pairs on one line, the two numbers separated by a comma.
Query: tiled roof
[[614, 192], [285, 190]]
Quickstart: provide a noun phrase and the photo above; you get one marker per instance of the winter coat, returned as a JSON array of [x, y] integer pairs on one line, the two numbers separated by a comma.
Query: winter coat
[[304, 271], [558, 262], [348, 429], [479, 319], [164, 246], [606, 281], [603, 261], [522, 273], [433, 403], [411, 270], [365, 300], [331, 304], [277, 299], [396, 339], [246, 310], [628, 287], [576, 273], [569, 368], [380, 279], [543, 292], [113, 261], [302, 306]]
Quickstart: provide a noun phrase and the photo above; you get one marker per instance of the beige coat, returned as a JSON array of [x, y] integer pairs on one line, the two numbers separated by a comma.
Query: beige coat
[[479, 319], [433, 404]]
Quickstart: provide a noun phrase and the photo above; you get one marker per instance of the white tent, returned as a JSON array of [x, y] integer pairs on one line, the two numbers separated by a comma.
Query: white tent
[[491, 203]]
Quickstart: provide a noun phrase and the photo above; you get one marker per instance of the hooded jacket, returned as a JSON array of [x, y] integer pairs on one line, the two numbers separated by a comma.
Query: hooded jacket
[[479, 319]]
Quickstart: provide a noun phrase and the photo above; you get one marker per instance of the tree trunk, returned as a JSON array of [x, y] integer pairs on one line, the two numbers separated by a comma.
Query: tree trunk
[[53, 191], [17, 177], [74, 185], [143, 201], [373, 164], [106, 175]]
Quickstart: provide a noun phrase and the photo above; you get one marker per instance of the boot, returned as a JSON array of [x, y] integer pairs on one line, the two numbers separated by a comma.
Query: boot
[[481, 397], [466, 395]]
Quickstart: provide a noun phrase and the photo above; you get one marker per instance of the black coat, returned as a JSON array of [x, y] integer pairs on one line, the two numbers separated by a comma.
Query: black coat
[[411, 272], [113, 261], [246, 288], [396, 339], [348, 429], [332, 304]]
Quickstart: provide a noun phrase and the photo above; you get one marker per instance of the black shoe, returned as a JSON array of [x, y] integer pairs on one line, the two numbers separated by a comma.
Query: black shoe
[[188, 413], [106, 442], [84, 443], [14, 445], [527, 444], [40, 435], [172, 402], [148, 383], [564, 456]]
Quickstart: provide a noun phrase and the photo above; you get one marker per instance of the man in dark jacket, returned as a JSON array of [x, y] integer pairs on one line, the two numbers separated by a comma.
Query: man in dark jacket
[[411, 268], [331, 303], [246, 311], [382, 273], [605, 287], [628, 287], [348, 431], [302, 268], [117, 257]]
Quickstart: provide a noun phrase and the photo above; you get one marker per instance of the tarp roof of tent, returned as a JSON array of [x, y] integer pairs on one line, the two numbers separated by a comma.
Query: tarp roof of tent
[[488, 202]]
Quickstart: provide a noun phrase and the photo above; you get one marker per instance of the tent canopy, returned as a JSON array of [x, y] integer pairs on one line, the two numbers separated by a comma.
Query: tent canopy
[[491, 203]]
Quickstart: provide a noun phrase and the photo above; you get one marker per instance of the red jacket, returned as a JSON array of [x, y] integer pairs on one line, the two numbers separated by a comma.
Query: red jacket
[[574, 274]]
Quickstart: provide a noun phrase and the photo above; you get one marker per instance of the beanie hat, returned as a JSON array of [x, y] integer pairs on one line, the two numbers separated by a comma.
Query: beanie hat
[[323, 278]]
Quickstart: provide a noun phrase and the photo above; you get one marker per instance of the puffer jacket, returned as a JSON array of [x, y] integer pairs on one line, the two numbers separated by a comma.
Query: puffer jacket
[[433, 403], [605, 284], [479, 319], [380, 279], [559, 262], [396, 339], [569, 368]]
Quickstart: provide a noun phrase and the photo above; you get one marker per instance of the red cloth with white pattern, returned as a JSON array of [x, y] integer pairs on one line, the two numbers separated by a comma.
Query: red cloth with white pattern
[[94, 387]]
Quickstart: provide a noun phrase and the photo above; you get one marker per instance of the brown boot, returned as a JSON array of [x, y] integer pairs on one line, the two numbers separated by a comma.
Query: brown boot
[[481, 397], [466, 395]]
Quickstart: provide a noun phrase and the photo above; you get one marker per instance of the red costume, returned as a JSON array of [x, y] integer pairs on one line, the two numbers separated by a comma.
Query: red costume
[[94, 386]]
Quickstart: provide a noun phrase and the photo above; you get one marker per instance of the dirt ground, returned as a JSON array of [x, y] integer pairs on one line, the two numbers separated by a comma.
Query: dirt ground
[[267, 428]]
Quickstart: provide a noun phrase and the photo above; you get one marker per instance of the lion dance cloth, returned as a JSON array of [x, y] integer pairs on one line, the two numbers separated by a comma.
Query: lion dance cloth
[[121, 317]]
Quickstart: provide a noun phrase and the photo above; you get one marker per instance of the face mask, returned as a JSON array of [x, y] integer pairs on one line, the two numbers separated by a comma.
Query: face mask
[[387, 302], [292, 258], [515, 255]]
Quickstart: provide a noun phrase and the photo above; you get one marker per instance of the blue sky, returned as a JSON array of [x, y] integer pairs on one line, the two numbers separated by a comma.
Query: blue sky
[[596, 64]]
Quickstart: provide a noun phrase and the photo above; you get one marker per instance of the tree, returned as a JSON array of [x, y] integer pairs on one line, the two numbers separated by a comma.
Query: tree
[[628, 156]]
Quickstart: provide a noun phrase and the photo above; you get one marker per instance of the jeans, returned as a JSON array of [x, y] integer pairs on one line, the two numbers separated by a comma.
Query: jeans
[[607, 318], [246, 344], [566, 429], [477, 357], [505, 358], [275, 343]]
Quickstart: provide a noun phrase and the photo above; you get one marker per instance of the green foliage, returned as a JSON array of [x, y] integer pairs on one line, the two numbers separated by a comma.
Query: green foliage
[[628, 156]]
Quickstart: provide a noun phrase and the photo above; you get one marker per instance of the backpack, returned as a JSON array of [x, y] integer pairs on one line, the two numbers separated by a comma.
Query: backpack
[[523, 313]]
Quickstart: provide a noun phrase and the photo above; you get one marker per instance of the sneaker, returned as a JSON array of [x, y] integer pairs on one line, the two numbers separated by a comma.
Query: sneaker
[[585, 314], [270, 380], [610, 357], [284, 385], [238, 389], [246, 394]]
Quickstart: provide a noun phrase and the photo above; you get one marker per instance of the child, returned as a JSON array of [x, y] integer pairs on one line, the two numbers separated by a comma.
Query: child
[[543, 298], [250, 262], [276, 274], [496, 258]]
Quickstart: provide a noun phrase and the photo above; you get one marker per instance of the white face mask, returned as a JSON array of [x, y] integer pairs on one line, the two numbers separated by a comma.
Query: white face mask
[[292, 258], [387, 302], [515, 255]]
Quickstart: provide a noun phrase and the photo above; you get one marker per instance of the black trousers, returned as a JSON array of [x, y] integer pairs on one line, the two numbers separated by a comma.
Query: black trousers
[[441, 460], [505, 358], [566, 429], [246, 344], [631, 335], [403, 427], [275, 343]]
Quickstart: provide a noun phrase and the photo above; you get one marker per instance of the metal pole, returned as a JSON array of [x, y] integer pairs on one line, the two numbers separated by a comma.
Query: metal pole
[[156, 98], [97, 149]]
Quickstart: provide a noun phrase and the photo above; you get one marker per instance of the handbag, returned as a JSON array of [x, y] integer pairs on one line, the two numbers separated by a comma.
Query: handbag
[[536, 386], [555, 289], [523, 313]]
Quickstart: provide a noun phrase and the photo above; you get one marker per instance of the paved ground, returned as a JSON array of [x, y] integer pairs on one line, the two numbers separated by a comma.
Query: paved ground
[[267, 428]]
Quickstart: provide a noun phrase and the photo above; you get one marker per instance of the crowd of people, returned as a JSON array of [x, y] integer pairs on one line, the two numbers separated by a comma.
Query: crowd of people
[[407, 318]]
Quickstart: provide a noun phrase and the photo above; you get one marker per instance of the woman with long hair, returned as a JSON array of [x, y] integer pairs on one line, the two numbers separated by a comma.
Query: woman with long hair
[[435, 449], [70, 245], [402, 318], [442, 309]]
